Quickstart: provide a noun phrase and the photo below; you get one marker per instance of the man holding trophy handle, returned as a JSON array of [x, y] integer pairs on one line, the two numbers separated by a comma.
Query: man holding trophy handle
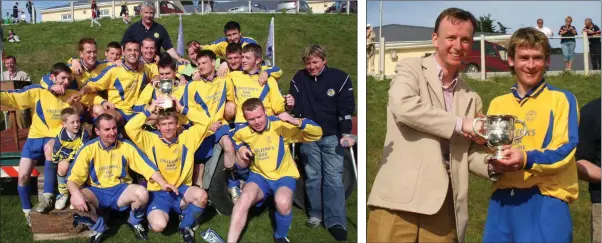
[[530, 200]]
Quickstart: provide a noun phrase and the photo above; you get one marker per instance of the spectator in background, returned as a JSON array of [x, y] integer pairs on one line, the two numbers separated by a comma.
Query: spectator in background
[[568, 44], [95, 14], [547, 31], [16, 12], [13, 73], [29, 6], [370, 48], [12, 36], [195, 3], [125, 13], [588, 159], [23, 17], [593, 33]]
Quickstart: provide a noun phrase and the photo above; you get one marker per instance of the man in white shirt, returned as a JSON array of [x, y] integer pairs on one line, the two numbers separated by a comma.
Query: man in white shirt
[[12, 73], [546, 31]]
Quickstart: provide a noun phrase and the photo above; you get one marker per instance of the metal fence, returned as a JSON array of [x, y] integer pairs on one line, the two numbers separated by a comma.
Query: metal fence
[[388, 53]]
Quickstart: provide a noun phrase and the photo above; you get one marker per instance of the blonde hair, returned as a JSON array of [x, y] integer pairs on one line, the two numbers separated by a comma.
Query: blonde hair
[[568, 17], [529, 38], [314, 50]]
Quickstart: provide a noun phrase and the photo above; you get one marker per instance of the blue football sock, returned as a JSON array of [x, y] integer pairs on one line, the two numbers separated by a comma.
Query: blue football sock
[[233, 181], [283, 224], [136, 216], [191, 213], [99, 226], [49, 177], [24, 192]]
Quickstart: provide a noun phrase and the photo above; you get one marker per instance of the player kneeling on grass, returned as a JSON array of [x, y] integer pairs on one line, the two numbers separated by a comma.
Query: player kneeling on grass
[[99, 179], [261, 143], [173, 154], [46, 122], [66, 144]]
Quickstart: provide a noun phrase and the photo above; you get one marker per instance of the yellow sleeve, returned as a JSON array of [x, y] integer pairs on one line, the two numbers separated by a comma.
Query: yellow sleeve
[[230, 95], [96, 100], [104, 80], [21, 99], [237, 138], [277, 102], [144, 99], [198, 131], [151, 70], [134, 130], [218, 48], [560, 142], [273, 71], [80, 167], [138, 161], [307, 131]]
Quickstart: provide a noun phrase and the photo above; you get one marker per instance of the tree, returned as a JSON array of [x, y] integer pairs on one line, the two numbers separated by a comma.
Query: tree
[[485, 24]]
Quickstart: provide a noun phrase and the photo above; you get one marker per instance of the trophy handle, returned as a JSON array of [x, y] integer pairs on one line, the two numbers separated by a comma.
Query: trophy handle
[[474, 126], [155, 84], [523, 131]]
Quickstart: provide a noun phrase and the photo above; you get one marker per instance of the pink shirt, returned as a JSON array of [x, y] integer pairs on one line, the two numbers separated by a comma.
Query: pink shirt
[[448, 97]]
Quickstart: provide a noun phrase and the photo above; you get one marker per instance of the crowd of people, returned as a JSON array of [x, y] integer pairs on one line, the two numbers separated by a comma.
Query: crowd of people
[[420, 193], [568, 42], [94, 121]]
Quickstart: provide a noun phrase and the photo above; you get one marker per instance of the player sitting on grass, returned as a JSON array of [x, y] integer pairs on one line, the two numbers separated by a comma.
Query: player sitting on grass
[[46, 123], [262, 143]]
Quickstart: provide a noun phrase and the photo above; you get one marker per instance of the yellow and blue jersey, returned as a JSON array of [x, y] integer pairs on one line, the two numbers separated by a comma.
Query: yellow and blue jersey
[[151, 68], [46, 118], [209, 97], [272, 156], [66, 147], [103, 167], [123, 86], [247, 86], [175, 159], [273, 71], [219, 46], [552, 119]]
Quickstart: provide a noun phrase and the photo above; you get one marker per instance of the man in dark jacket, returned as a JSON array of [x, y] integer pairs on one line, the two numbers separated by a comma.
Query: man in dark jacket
[[325, 95]]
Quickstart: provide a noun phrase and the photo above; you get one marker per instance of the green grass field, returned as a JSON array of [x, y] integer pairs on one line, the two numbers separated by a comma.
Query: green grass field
[[584, 88], [44, 44]]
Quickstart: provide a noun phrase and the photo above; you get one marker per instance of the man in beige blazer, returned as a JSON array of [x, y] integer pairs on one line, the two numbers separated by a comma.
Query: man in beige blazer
[[420, 193]]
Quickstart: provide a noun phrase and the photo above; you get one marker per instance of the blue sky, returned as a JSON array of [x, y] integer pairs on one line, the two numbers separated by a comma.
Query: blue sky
[[513, 14], [7, 6]]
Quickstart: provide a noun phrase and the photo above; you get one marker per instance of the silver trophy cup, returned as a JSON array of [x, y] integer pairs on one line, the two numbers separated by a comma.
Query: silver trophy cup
[[500, 130], [164, 88]]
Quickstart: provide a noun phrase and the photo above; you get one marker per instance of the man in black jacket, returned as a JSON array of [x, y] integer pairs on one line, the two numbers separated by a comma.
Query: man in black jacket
[[588, 159], [325, 95]]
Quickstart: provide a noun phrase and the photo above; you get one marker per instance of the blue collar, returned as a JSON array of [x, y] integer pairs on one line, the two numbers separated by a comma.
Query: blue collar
[[535, 91], [112, 146]]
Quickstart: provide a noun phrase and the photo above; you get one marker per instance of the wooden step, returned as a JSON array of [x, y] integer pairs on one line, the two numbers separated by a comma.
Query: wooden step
[[56, 225]]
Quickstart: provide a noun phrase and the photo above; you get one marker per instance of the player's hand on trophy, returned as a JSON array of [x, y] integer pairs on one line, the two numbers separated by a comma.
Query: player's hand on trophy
[[79, 203], [57, 89], [108, 105], [155, 104], [176, 104], [223, 70], [514, 159], [263, 78]]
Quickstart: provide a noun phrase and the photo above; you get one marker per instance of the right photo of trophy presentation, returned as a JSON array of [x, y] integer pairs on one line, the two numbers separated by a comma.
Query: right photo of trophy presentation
[[484, 121]]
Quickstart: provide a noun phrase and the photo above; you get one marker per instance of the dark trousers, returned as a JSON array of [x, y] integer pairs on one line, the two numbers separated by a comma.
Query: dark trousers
[[594, 55]]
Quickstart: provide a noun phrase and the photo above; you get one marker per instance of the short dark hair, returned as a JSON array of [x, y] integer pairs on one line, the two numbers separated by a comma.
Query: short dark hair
[[454, 14], [252, 104], [166, 61], [252, 47], [85, 40], [234, 48], [206, 53], [103, 116], [114, 44], [231, 25], [60, 67], [129, 42], [69, 111], [10, 57]]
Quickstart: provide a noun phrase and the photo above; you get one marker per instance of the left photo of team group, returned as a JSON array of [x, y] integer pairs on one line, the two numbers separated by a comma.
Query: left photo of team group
[[128, 121]]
